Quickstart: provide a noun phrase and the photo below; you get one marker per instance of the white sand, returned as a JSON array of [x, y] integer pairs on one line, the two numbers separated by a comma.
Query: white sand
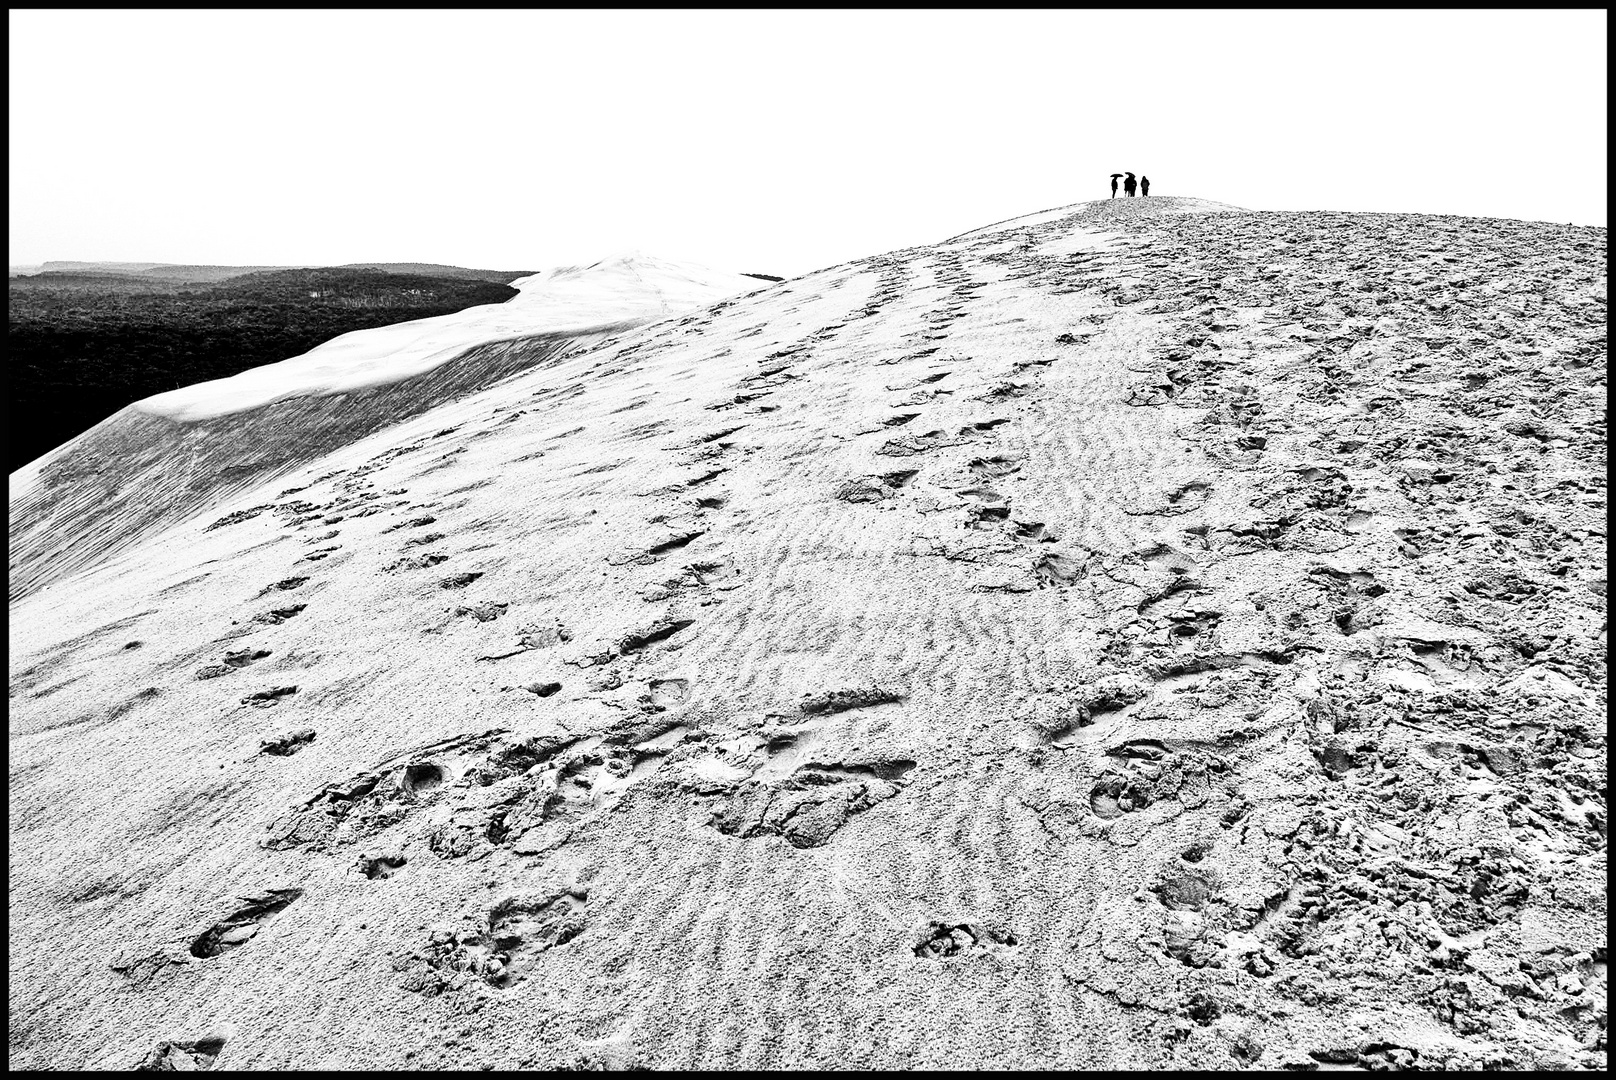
[[567, 300]]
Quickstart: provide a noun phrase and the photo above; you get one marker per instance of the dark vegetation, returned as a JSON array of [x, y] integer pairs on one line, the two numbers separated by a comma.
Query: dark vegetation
[[83, 344], [764, 277]]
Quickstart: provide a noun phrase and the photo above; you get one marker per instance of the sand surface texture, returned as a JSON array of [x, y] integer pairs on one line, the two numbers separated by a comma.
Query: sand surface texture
[[1137, 636]]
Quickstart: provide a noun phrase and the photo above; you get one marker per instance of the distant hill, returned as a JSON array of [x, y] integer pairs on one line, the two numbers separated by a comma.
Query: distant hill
[[69, 265], [503, 277], [203, 272], [183, 272]]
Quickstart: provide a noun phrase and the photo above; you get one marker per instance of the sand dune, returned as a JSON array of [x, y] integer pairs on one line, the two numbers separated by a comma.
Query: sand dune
[[174, 456], [1128, 636]]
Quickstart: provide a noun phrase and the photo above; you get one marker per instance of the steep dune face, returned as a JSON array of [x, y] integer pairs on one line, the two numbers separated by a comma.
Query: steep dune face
[[1133, 638], [174, 456]]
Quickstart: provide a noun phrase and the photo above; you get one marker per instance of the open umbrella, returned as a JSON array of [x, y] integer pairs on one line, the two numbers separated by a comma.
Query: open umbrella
[[1115, 175]]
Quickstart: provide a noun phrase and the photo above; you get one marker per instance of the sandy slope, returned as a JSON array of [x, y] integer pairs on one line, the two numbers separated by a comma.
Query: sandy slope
[[174, 456], [1132, 639]]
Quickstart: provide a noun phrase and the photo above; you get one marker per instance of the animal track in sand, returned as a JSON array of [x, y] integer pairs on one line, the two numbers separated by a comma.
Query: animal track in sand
[[922, 397], [1024, 365], [421, 562], [412, 523], [664, 694], [502, 950], [660, 630], [484, 611], [282, 585], [988, 510], [543, 635], [288, 744], [985, 468], [232, 663], [539, 791], [275, 616], [376, 867], [243, 924], [738, 400], [141, 968], [237, 517], [918, 354], [377, 798], [1180, 500], [807, 807], [899, 478], [1029, 533], [715, 436], [194, 1056], [1102, 700], [705, 478], [769, 782], [924, 380], [1160, 557], [424, 538], [1004, 391], [1114, 796], [717, 574], [909, 445], [534, 635], [265, 699], [653, 552], [1055, 569], [770, 378], [830, 702], [861, 490], [942, 940], [422, 777], [1135, 750]]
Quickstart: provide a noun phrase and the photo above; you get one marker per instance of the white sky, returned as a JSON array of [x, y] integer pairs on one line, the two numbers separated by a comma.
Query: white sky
[[766, 142]]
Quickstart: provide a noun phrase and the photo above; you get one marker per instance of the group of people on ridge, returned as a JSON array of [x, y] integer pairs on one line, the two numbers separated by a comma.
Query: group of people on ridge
[[1128, 185]]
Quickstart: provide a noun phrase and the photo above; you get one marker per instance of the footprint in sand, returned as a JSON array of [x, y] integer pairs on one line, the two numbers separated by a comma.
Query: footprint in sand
[[243, 924]]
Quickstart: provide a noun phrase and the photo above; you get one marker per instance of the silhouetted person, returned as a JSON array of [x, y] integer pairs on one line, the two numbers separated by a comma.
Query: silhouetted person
[[1113, 187], [1129, 185], [1144, 185]]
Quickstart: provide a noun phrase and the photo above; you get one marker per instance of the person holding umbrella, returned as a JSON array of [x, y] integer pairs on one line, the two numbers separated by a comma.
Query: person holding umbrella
[[1130, 184], [1114, 184], [1144, 185]]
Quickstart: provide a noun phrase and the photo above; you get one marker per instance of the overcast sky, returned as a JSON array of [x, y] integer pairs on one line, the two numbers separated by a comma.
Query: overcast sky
[[764, 142]]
